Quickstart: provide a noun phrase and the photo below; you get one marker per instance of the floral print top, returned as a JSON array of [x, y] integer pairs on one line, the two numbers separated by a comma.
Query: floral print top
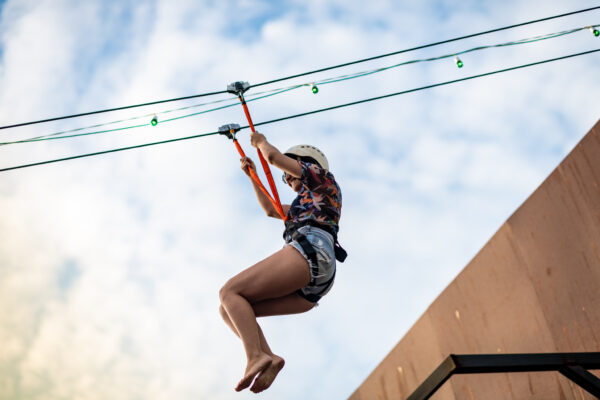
[[319, 199]]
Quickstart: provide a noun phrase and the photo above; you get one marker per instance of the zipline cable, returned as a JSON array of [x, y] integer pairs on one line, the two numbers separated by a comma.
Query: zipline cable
[[478, 48], [53, 136], [309, 112], [426, 46], [111, 110], [272, 92], [109, 151], [304, 73], [422, 88]]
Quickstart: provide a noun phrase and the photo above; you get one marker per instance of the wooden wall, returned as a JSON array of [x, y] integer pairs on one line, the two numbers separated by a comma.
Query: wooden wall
[[534, 287]]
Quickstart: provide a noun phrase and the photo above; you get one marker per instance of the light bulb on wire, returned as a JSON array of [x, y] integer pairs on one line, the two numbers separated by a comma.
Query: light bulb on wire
[[458, 62], [594, 31], [314, 88], [154, 121]]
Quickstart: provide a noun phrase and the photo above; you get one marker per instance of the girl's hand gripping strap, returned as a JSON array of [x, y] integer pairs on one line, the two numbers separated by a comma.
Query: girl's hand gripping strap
[[230, 131]]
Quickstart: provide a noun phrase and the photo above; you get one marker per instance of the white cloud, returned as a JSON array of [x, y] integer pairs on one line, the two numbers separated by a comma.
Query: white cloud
[[151, 234]]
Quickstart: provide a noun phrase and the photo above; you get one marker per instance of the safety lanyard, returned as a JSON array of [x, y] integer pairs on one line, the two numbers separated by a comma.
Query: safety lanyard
[[230, 130]]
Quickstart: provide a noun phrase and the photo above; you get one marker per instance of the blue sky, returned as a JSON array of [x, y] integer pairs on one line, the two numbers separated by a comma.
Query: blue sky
[[110, 266]]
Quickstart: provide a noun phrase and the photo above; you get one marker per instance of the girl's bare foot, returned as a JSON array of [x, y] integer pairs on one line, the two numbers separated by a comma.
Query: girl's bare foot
[[254, 367], [266, 378]]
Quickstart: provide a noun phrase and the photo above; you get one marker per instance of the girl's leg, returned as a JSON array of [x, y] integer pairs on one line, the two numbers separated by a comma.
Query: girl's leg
[[263, 342], [276, 276], [290, 304]]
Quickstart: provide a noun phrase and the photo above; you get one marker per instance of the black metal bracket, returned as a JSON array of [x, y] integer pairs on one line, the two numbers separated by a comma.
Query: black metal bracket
[[229, 130], [574, 366]]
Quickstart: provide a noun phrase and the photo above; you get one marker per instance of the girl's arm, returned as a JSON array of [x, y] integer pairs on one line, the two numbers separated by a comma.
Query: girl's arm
[[274, 156], [263, 200]]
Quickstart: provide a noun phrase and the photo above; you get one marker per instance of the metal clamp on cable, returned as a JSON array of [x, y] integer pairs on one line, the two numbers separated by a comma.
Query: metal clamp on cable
[[238, 88], [229, 130]]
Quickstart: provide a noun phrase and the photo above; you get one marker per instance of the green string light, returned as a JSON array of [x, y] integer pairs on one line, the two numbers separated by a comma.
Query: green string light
[[314, 88], [458, 62]]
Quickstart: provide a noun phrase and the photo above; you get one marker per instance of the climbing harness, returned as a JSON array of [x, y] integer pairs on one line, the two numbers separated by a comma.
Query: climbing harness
[[238, 88], [310, 252], [291, 229]]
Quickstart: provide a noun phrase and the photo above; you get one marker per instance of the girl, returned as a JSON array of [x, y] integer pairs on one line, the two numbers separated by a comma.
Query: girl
[[293, 279]]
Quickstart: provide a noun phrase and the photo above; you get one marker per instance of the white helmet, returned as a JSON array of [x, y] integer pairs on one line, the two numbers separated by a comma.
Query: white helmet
[[306, 150]]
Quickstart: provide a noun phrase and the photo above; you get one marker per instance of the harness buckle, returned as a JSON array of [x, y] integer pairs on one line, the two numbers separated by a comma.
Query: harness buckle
[[229, 130]]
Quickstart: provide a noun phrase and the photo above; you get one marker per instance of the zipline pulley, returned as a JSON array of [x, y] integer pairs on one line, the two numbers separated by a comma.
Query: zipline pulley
[[229, 130], [238, 88]]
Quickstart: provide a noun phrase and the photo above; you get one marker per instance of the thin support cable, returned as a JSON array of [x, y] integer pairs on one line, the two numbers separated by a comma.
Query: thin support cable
[[111, 110], [109, 151], [273, 92], [479, 48], [426, 46], [305, 73], [310, 112], [53, 137], [250, 97], [424, 88]]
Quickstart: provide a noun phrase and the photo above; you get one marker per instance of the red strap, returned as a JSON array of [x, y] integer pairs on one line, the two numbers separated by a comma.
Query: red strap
[[275, 199], [260, 155], [255, 177]]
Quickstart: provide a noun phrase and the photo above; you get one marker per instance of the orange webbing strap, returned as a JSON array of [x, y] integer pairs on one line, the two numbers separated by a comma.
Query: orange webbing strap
[[276, 202], [260, 155], [229, 131], [255, 177]]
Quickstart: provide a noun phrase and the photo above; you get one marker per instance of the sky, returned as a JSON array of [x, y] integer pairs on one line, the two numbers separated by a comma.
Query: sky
[[110, 266]]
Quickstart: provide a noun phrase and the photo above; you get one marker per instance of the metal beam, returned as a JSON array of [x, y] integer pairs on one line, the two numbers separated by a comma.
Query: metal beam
[[491, 363], [433, 382], [572, 365], [583, 378]]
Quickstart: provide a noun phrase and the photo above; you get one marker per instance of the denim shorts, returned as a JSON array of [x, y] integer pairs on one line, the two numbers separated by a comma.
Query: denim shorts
[[324, 272]]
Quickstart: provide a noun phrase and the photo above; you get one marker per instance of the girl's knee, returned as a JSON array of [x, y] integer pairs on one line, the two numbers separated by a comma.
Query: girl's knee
[[223, 294], [227, 290]]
